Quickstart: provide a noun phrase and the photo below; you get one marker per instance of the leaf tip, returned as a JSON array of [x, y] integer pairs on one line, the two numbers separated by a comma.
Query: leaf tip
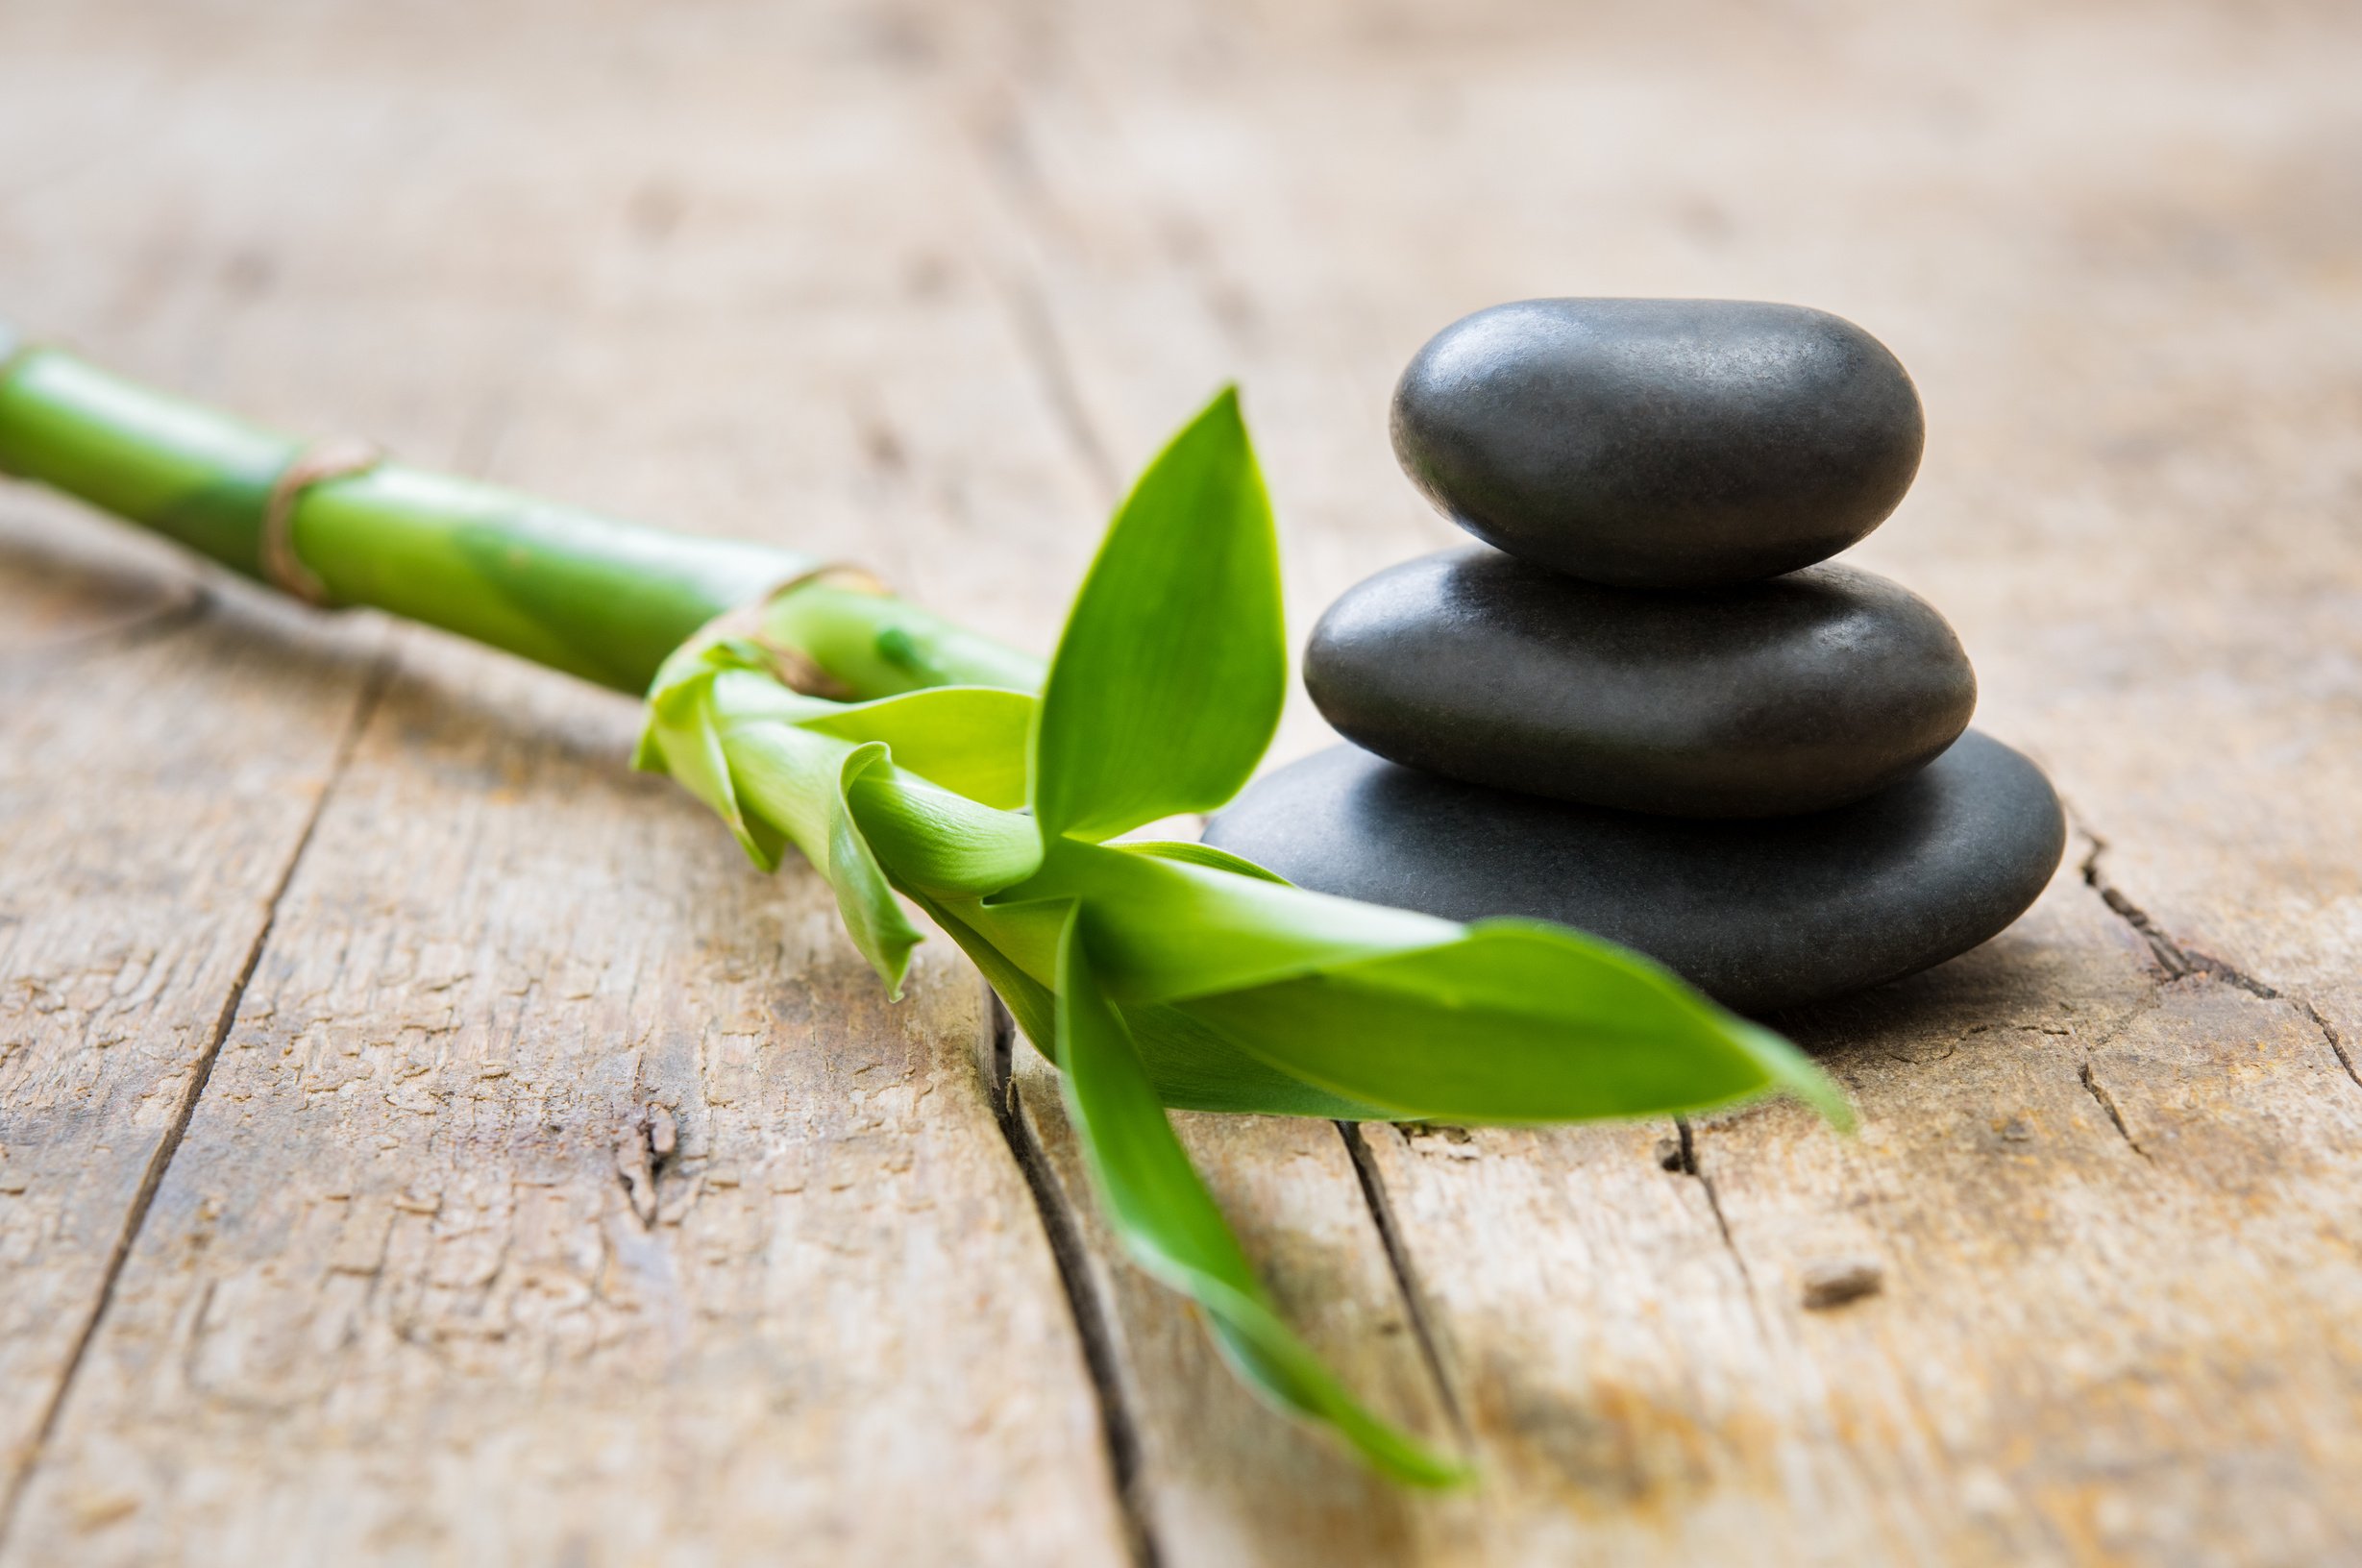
[[890, 957], [1221, 418], [1439, 1472], [1797, 1074]]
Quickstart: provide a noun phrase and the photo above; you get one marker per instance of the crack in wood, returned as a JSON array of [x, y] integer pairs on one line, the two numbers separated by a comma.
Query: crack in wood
[[159, 1162], [1093, 1321], [656, 1188], [2107, 1103], [1002, 146], [1037, 333], [1687, 1151], [2180, 961], [1407, 1285], [2336, 1040]]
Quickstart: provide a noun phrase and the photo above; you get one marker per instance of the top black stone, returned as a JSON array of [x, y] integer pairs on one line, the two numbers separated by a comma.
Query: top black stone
[[1659, 443]]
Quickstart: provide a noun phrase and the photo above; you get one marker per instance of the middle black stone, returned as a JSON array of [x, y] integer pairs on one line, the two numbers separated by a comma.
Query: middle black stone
[[1769, 698]]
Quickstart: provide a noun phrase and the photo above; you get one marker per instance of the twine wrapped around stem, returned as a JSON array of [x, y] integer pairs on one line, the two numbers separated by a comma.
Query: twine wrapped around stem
[[789, 663], [592, 596], [338, 458]]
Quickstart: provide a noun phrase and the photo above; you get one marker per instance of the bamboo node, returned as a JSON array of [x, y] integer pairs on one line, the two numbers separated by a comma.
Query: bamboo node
[[338, 458], [791, 666]]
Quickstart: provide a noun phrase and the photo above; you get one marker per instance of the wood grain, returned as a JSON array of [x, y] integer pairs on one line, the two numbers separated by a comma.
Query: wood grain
[[2100, 1187], [918, 284], [565, 1191], [1264, 1491], [141, 853]]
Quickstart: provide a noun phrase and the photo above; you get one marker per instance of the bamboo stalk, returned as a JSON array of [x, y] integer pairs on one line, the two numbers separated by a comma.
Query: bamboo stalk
[[1157, 974], [589, 594]]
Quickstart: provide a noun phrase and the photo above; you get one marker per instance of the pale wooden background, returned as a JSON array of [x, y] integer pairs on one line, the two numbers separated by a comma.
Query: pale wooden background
[[341, 966]]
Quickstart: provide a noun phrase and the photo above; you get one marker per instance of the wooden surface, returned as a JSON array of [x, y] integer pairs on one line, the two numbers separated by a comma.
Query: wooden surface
[[426, 1142]]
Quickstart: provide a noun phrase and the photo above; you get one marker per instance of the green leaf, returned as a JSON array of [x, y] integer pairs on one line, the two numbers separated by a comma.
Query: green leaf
[[1204, 854], [1027, 1000], [1515, 1021], [939, 840], [1165, 929], [684, 738], [794, 783], [1193, 1066], [972, 738], [1169, 679], [968, 739], [1169, 1224]]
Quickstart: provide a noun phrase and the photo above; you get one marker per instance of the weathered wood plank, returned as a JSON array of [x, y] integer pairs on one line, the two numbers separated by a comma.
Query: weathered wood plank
[[164, 749], [566, 1190], [2109, 245], [2136, 367], [2084, 1345], [159, 771], [1222, 1477]]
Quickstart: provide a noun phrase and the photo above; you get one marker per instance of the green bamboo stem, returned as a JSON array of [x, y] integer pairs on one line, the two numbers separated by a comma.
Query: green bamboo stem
[[588, 595]]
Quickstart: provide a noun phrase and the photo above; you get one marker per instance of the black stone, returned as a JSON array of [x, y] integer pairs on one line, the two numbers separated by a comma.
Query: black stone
[[1761, 914], [1659, 443], [1765, 699]]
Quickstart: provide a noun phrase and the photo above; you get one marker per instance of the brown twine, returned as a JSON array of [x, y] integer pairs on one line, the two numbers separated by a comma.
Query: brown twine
[[792, 666], [338, 458]]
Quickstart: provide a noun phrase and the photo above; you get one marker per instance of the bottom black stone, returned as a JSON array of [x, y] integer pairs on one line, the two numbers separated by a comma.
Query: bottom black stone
[[1758, 915]]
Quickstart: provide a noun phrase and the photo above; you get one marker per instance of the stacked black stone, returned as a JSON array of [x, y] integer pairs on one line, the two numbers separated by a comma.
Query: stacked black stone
[[1650, 712]]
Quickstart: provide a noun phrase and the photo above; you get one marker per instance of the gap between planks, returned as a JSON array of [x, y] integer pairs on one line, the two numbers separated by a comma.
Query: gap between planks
[[365, 704], [1092, 1317], [1010, 173], [1407, 1285]]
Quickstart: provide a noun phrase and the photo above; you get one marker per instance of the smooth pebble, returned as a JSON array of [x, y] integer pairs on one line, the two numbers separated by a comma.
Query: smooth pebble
[[1760, 915], [1659, 443], [1765, 699]]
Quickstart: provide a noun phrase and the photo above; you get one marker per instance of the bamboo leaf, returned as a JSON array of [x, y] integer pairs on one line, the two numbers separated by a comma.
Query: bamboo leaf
[[1193, 1065], [1028, 1000], [1167, 929], [683, 739], [864, 898], [971, 738], [1502, 1021], [967, 738], [1513, 1021], [1205, 855], [1169, 679], [796, 783], [1195, 1068], [1171, 1227], [942, 840]]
